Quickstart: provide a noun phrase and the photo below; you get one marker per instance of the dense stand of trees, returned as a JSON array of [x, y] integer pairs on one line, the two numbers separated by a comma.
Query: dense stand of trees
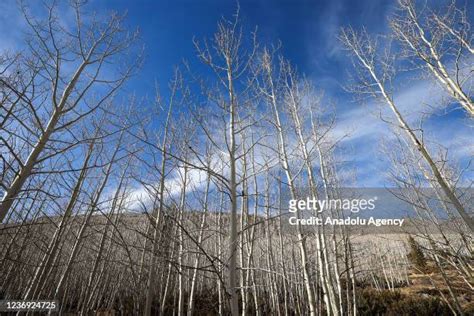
[[177, 206]]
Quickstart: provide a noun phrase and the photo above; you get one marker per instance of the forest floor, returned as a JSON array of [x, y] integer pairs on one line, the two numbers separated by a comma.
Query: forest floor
[[432, 283]]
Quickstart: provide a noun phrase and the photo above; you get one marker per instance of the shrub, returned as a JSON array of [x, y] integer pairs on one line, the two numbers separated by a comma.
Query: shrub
[[373, 302], [416, 255]]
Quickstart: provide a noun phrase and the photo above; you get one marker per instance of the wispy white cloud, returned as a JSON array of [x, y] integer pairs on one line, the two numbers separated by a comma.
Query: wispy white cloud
[[418, 102]]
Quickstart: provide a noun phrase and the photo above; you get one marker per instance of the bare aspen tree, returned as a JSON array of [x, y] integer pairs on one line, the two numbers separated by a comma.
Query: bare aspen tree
[[230, 63], [168, 271], [270, 90], [244, 213], [252, 235], [375, 77], [454, 20], [202, 225], [165, 143], [112, 220], [325, 147], [294, 94], [57, 98], [407, 167], [184, 175], [431, 39]]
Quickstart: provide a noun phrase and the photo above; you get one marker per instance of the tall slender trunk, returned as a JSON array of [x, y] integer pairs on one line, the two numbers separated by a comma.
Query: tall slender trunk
[[233, 242], [116, 205], [199, 241], [150, 285], [168, 273], [244, 207], [301, 239], [181, 208]]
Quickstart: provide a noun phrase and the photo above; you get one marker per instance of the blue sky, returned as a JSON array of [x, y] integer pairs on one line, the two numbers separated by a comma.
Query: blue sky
[[308, 31]]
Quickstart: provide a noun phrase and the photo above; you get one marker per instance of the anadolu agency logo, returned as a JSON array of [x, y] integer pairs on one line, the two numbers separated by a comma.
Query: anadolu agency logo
[[312, 211]]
